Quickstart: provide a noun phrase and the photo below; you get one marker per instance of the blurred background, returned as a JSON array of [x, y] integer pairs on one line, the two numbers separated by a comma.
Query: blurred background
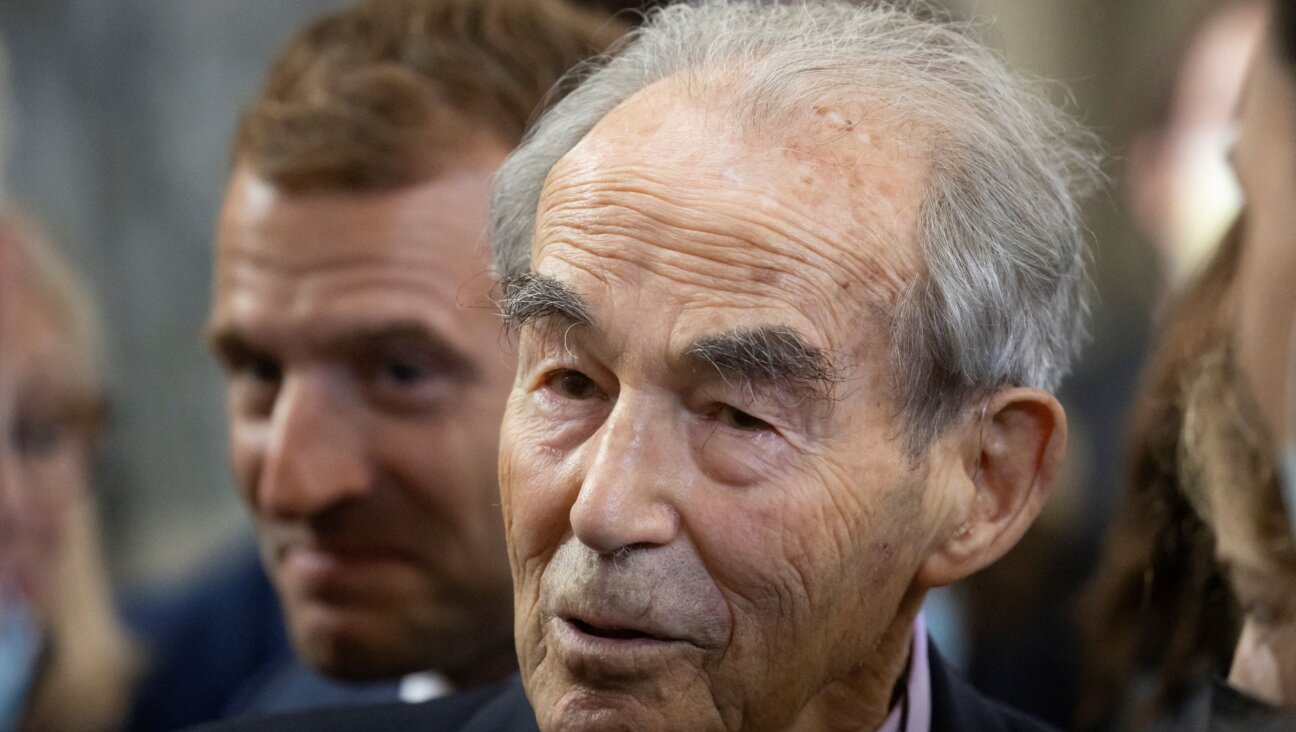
[[124, 111]]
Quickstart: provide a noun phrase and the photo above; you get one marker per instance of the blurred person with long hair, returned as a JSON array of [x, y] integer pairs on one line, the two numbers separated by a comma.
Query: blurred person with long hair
[[1229, 478], [1234, 450], [1158, 619], [1240, 416], [68, 663]]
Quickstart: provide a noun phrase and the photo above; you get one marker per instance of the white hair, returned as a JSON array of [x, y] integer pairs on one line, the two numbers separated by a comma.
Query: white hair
[[999, 299]]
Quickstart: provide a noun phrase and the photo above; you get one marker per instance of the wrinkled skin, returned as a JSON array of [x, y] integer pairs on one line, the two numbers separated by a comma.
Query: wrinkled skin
[[1264, 663], [365, 389], [692, 551]]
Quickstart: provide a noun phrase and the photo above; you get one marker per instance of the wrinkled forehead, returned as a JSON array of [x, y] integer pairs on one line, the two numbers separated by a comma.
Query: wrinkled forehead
[[839, 188]]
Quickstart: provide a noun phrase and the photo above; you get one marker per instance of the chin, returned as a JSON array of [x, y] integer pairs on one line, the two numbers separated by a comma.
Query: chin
[[584, 711], [562, 706], [342, 646]]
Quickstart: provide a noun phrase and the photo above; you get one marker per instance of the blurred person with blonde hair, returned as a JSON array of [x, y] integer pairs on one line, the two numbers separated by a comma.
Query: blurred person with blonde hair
[[76, 669]]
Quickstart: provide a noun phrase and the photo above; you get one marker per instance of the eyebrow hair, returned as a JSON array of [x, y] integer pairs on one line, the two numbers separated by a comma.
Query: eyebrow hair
[[232, 341], [530, 296], [777, 357]]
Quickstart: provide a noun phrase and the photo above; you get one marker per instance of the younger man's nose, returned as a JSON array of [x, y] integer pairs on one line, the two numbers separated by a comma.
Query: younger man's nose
[[315, 453]]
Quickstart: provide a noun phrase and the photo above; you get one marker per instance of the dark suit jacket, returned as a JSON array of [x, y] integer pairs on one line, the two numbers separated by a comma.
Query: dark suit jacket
[[956, 707], [288, 685], [1233, 711], [203, 642]]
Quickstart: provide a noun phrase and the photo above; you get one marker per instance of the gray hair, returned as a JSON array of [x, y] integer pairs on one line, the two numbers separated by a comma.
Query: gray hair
[[1000, 298]]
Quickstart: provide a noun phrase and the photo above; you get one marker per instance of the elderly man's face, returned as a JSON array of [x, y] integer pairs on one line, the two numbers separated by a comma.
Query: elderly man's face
[[365, 389], [706, 532]]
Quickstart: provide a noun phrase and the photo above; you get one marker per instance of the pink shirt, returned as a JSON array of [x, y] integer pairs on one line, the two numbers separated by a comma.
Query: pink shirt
[[912, 711]]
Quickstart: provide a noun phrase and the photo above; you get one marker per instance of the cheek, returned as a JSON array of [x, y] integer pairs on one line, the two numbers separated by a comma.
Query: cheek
[[448, 459], [53, 485], [790, 555], [736, 459], [247, 454], [56, 483], [538, 485]]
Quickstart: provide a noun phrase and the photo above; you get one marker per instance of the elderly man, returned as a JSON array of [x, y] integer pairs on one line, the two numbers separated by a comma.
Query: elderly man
[[790, 285], [354, 321]]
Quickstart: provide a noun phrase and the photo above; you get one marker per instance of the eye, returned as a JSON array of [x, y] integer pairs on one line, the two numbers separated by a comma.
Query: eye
[[402, 372], [740, 420], [37, 439], [265, 370], [403, 377], [253, 367], [253, 381], [574, 385]]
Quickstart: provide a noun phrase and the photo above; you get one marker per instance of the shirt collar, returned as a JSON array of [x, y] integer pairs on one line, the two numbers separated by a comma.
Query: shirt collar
[[912, 710]]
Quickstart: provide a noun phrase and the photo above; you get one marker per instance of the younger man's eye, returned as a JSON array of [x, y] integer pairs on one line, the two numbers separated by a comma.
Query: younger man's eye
[[403, 373]]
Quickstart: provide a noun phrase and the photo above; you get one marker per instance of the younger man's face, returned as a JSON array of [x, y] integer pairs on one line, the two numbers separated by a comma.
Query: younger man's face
[[365, 386]]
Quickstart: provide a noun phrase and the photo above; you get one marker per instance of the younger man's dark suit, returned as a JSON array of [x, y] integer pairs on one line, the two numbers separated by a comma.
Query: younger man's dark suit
[[956, 707]]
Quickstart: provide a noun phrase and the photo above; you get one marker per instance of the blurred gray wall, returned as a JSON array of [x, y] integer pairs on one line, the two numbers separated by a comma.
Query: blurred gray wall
[[124, 115], [125, 110]]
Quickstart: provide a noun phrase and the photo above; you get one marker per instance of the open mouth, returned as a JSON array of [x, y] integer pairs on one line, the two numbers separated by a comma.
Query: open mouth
[[611, 633]]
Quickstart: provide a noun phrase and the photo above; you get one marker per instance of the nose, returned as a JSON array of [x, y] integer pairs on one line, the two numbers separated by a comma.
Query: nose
[[315, 454], [627, 495]]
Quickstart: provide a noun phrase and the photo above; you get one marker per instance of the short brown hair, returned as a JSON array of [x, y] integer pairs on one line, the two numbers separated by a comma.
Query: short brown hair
[[382, 93]]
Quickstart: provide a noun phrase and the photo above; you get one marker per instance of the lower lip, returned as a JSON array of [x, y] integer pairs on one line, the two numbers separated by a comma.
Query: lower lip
[[605, 658], [313, 565]]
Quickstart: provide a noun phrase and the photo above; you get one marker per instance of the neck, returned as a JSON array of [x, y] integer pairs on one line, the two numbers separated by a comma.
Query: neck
[[862, 699]]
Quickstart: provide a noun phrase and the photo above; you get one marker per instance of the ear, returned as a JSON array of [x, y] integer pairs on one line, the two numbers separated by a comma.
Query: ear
[[1007, 459]]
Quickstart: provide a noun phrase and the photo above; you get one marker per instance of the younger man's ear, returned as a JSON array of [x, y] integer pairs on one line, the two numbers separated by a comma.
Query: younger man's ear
[[1011, 453]]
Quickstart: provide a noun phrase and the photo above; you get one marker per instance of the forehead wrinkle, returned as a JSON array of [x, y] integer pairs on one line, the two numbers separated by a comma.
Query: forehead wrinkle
[[607, 259], [811, 292], [870, 151], [419, 271], [291, 302], [629, 201]]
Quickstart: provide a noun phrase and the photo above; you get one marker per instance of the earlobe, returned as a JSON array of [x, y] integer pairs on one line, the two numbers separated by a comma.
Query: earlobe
[[1013, 451]]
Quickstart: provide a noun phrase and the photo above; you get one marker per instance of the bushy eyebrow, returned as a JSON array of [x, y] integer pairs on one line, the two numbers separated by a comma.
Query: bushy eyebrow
[[770, 357], [774, 357], [530, 296]]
